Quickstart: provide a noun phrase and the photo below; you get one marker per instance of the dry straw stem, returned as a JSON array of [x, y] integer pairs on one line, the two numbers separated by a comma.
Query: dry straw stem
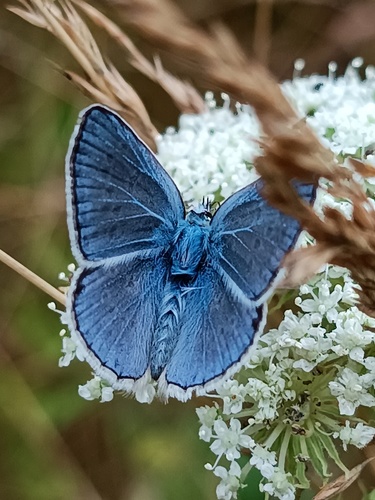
[[102, 82], [183, 93], [290, 151], [32, 277], [331, 490]]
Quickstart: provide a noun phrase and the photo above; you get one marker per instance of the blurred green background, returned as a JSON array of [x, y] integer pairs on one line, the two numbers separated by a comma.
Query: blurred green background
[[55, 445]]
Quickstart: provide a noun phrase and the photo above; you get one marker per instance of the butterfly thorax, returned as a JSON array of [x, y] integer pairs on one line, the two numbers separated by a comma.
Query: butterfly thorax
[[189, 249], [190, 244]]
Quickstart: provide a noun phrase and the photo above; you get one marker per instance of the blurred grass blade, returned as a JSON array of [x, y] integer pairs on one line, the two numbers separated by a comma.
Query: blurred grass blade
[[28, 417]]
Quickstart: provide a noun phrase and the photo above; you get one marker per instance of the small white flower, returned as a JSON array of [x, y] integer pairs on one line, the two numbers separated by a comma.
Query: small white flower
[[345, 207], [369, 363], [314, 347], [107, 394], [229, 440], [230, 482], [295, 327], [258, 390], [349, 293], [96, 389], [207, 416], [233, 395], [325, 303], [351, 391], [71, 268], [266, 398], [359, 436], [264, 460], [70, 349], [91, 390], [334, 272], [278, 485], [349, 336]]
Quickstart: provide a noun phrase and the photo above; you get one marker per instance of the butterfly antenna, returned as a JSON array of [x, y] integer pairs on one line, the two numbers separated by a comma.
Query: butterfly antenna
[[188, 204], [207, 203]]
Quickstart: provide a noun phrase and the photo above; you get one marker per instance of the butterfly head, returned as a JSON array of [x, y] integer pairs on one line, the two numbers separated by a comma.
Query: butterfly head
[[201, 214]]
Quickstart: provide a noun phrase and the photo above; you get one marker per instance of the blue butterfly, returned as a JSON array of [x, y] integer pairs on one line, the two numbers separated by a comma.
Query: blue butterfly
[[161, 295]]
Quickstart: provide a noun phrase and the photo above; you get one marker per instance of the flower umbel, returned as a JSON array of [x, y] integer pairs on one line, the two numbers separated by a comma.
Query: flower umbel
[[318, 365], [294, 392]]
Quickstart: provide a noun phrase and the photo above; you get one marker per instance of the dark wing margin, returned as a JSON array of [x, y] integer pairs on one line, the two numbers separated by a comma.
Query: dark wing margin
[[112, 313], [120, 200], [251, 239], [216, 337]]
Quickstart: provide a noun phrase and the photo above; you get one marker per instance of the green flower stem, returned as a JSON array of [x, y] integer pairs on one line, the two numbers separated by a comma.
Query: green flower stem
[[284, 448], [329, 422], [274, 435], [304, 450]]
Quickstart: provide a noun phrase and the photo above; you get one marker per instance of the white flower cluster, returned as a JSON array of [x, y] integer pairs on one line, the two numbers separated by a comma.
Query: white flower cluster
[[212, 154], [288, 400], [228, 441], [318, 365], [340, 110]]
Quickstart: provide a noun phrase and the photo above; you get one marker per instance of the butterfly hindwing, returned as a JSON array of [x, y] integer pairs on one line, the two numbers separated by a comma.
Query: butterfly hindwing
[[217, 330], [120, 199], [113, 310], [250, 239]]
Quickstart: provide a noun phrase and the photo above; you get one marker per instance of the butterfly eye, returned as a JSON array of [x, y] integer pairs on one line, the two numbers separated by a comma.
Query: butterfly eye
[[208, 215]]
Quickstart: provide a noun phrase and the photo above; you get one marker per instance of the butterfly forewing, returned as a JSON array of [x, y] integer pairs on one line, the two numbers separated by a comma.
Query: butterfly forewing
[[120, 199], [250, 239]]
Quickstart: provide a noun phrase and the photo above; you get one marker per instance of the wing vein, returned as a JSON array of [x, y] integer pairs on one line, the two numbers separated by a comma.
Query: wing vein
[[132, 199]]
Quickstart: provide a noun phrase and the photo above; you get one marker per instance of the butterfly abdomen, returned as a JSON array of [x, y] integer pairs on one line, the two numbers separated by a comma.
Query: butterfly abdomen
[[166, 332], [188, 252]]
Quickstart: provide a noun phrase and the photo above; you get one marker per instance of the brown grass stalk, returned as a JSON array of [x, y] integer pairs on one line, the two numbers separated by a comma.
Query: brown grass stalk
[[184, 95], [290, 151], [102, 82]]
